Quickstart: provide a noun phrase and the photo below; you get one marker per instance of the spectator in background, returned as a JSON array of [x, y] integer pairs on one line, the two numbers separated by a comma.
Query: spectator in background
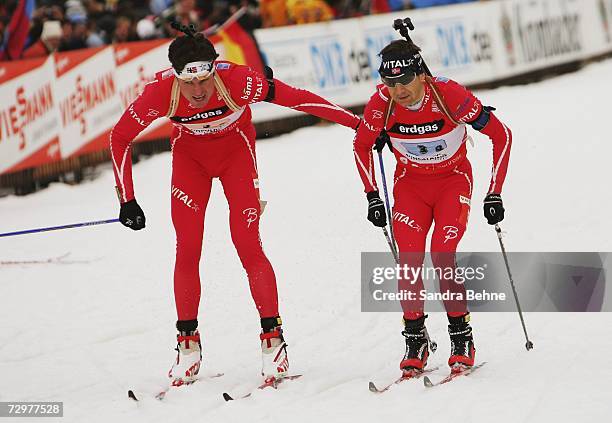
[[75, 11], [49, 41], [350, 8], [93, 37], [146, 30], [187, 14], [273, 13], [124, 30], [137, 9], [71, 39], [75, 26], [184, 12], [308, 11], [158, 6], [46, 12], [251, 19]]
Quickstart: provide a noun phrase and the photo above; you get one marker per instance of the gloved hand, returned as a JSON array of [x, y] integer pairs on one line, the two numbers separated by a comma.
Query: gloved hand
[[382, 140], [376, 210], [493, 208], [131, 215]]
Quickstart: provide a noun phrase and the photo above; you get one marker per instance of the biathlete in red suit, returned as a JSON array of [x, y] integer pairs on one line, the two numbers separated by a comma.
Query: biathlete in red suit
[[213, 137], [424, 121]]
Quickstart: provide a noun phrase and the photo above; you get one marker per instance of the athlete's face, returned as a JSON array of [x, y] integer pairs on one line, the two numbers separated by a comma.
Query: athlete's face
[[197, 92], [411, 93]]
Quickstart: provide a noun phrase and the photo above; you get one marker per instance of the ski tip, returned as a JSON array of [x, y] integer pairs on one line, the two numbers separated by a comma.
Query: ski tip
[[227, 397], [132, 396], [372, 387], [427, 382]]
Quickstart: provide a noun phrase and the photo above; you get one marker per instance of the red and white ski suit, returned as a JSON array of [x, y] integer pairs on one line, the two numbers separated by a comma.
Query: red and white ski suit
[[217, 141], [433, 177]]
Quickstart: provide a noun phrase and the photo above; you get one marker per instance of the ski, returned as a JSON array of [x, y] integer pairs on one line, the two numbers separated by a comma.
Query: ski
[[268, 384], [454, 374], [162, 394], [414, 374]]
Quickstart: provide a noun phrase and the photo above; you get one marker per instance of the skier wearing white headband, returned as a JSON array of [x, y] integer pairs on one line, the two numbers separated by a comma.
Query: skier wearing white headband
[[214, 137]]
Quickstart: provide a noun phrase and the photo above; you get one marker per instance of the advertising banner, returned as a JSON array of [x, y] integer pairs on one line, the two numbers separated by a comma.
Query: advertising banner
[[87, 98], [137, 64], [29, 121]]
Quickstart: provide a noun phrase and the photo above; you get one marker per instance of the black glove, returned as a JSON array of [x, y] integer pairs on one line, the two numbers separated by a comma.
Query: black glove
[[493, 208], [382, 140], [376, 210], [132, 216]]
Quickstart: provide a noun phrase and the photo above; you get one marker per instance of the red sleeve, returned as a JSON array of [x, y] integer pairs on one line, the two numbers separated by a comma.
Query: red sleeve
[[373, 122], [466, 108], [501, 136], [308, 102], [249, 86], [245, 85], [144, 110], [462, 104]]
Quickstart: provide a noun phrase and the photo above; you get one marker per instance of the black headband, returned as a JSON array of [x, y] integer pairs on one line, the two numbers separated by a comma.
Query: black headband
[[398, 63]]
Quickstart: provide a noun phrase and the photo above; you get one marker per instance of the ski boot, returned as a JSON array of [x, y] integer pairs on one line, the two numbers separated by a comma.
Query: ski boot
[[189, 354], [462, 343], [418, 346], [275, 363]]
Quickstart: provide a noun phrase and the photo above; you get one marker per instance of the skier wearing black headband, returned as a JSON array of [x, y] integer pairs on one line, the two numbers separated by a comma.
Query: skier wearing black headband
[[424, 119]]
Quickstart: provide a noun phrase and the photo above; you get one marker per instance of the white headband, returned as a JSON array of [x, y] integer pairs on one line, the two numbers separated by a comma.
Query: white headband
[[199, 70]]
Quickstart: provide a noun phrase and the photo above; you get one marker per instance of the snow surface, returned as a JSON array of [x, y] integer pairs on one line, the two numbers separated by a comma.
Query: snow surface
[[86, 331]]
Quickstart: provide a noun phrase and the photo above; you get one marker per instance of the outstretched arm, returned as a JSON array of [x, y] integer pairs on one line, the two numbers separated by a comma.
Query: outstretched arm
[[308, 102], [249, 86]]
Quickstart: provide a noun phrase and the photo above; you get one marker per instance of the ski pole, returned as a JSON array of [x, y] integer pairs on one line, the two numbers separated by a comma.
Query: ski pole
[[528, 344], [390, 240], [56, 228], [391, 246]]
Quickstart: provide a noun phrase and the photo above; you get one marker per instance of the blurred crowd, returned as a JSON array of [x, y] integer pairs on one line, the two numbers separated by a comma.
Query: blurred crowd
[[62, 25]]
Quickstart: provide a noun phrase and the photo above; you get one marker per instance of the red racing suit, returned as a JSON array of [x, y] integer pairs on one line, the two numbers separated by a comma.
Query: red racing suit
[[217, 141], [433, 177]]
